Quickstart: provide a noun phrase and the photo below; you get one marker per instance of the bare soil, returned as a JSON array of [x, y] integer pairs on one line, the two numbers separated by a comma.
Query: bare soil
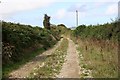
[[26, 69], [70, 67]]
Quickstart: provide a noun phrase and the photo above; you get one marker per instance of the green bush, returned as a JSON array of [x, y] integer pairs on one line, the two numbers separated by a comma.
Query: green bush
[[21, 37], [108, 31]]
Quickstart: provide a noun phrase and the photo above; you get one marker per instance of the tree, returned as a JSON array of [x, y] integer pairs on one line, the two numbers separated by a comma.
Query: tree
[[46, 21]]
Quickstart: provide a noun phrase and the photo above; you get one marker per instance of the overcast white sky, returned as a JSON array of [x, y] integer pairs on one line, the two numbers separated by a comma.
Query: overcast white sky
[[32, 11]]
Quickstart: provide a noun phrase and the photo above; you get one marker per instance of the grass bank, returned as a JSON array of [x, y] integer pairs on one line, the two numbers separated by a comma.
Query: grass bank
[[10, 67], [21, 43], [101, 61]]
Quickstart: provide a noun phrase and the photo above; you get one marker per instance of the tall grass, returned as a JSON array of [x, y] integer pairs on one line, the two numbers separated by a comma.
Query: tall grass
[[101, 57]]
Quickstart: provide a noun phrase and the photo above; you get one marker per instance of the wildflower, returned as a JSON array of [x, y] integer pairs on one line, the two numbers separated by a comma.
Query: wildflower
[[34, 73]]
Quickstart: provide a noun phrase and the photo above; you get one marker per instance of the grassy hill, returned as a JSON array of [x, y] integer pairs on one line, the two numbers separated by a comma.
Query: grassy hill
[[20, 43], [99, 46]]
